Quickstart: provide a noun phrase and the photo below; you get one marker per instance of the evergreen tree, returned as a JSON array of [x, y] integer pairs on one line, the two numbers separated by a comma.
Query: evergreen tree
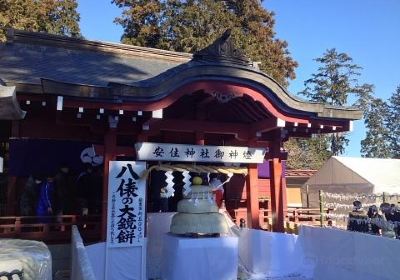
[[376, 143], [307, 153], [335, 80], [393, 123], [52, 16], [190, 25]]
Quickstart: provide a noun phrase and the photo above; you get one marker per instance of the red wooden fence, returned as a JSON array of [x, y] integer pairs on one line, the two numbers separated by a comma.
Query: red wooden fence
[[56, 229]]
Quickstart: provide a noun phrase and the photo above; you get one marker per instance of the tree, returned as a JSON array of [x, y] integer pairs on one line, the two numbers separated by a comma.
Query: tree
[[393, 123], [52, 16], [190, 25], [307, 153], [335, 80], [376, 143]]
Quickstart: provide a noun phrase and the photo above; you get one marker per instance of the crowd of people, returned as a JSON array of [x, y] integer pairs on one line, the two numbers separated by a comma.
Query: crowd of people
[[63, 193], [384, 220]]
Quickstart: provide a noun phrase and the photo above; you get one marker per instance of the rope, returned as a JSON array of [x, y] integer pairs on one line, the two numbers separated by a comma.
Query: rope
[[196, 168]]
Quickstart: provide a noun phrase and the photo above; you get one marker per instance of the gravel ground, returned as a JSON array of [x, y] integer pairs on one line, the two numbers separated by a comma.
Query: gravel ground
[[244, 275], [282, 278]]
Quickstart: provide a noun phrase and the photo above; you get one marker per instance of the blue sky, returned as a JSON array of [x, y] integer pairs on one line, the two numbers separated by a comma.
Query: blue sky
[[367, 30]]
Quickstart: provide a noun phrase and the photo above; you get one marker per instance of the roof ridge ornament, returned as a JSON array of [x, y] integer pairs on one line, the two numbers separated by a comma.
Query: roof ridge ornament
[[223, 50]]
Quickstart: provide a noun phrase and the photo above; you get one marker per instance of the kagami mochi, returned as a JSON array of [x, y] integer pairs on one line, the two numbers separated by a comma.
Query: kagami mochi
[[198, 213]]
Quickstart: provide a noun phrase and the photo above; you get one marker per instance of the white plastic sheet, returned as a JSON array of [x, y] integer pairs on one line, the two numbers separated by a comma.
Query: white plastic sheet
[[90, 262], [199, 258], [157, 226], [270, 254], [123, 263], [339, 254], [97, 257], [81, 268], [32, 258]]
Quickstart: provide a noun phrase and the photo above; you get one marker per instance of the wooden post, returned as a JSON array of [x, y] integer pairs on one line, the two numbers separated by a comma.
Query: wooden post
[[110, 147], [12, 196], [321, 209], [200, 138], [253, 209], [278, 195]]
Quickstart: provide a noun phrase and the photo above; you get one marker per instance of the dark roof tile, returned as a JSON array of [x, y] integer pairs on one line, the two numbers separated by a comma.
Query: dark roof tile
[[24, 62]]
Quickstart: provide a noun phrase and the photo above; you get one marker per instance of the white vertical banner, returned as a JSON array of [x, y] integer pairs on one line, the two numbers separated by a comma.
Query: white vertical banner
[[126, 243], [126, 204]]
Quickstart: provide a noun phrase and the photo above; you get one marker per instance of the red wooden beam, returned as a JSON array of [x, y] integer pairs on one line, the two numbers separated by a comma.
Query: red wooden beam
[[264, 125], [206, 85], [241, 131], [200, 139], [238, 112], [245, 109], [278, 189], [237, 90], [278, 195], [110, 151], [253, 210]]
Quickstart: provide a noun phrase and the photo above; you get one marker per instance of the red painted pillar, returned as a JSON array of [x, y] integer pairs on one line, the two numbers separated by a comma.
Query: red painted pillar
[[110, 150], [253, 209], [278, 195], [200, 138]]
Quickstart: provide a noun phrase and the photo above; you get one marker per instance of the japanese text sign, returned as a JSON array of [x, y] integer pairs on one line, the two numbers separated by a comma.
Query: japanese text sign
[[198, 153], [126, 204]]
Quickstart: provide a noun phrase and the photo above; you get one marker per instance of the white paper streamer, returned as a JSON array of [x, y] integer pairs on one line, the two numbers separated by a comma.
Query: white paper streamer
[[340, 206], [169, 189], [353, 197], [186, 180]]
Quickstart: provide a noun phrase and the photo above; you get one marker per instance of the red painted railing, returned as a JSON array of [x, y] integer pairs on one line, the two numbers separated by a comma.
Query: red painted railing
[[309, 216], [55, 229]]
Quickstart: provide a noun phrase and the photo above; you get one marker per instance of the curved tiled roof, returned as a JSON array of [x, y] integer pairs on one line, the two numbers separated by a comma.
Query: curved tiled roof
[[67, 66]]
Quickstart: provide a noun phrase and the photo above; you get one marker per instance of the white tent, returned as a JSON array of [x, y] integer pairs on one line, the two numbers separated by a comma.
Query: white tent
[[353, 175]]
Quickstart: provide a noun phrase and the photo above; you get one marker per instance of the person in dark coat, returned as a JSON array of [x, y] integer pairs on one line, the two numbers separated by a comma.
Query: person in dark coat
[[65, 191], [388, 226], [397, 221], [390, 216], [386, 210], [374, 216], [89, 191], [29, 197], [358, 220]]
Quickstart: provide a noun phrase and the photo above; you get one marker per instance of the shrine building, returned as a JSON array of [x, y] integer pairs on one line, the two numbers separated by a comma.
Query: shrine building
[[59, 93]]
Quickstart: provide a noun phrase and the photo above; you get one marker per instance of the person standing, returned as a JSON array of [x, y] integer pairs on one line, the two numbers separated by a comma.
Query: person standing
[[45, 206], [64, 185], [387, 225], [89, 191], [375, 218], [358, 220], [29, 197]]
